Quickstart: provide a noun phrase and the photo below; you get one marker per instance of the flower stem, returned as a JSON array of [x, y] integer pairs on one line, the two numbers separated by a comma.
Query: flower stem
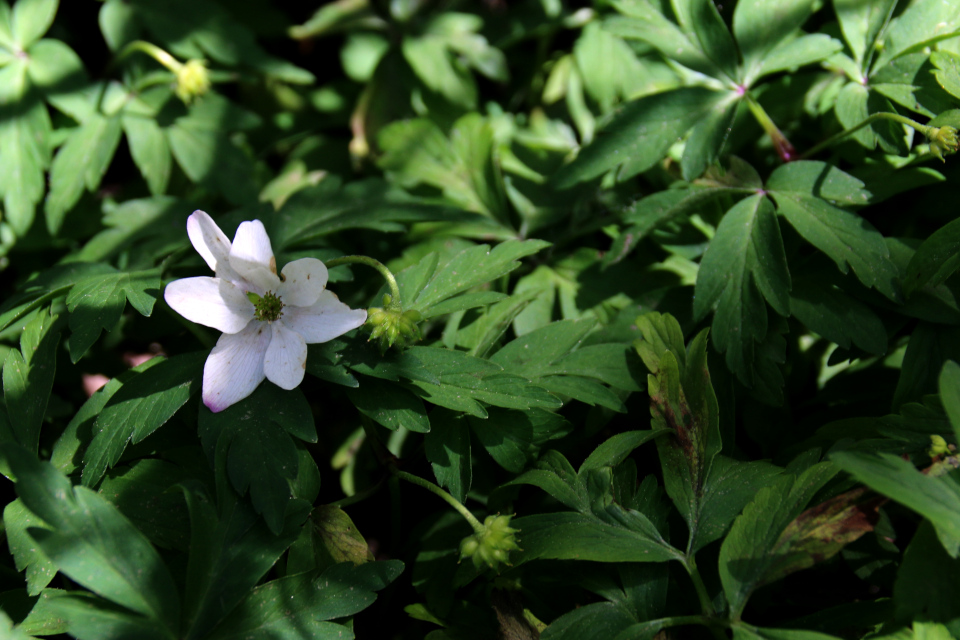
[[379, 266], [151, 50], [453, 502], [896, 117]]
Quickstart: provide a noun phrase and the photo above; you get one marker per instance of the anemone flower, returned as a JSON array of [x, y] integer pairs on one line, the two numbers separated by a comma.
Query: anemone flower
[[267, 319]]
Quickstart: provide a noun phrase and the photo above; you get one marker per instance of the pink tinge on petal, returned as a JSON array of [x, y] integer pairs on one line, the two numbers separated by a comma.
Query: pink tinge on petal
[[324, 320], [235, 366], [303, 282], [206, 237], [211, 302], [92, 382], [286, 357], [251, 256]]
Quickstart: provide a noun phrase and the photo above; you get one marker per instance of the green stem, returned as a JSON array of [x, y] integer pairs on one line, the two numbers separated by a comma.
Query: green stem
[[151, 50], [925, 130], [453, 502], [690, 564], [715, 624], [379, 266], [784, 149]]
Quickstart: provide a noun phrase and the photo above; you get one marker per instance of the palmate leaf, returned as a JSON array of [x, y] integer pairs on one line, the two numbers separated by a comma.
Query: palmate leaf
[[28, 378], [142, 405], [747, 555], [744, 265], [25, 129], [231, 549], [935, 498], [252, 440], [80, 162], [448, 449], [96, 304], [340, 591], [93, 544], [425, 285], [640, 134], [464, 382], [861, 23], [806, 193]]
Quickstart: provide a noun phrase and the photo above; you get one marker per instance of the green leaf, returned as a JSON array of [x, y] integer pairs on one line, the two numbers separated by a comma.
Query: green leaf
[[728, 487], [81, 161], [40, 570], [760, 25], [465, 382], [150, 150], [707, 138], [935, 498], [447, 446], [47, 285], [25, 131], [465, 166], [253, 437], [97, 303], [88, 617], [28, 378], [31, 19], [615, 449], [640, 134], [389, 405], [141, 406], [799, 52], [647, 23], [935, 260], [93, 544], [861, 23], [947, 64], [805, 193], [231, 549], [142, 494], [833, 314], [928, 581], [208, 156], [655, 211], [470, 268], [747, 554], [702, 17], [435, 66], [591, 622], [556, 476], [744, 265], [911, 30], [949, 384], [575, 536], [930, 346], [297, 606], [855, 104], [514, 438], [909, 81]]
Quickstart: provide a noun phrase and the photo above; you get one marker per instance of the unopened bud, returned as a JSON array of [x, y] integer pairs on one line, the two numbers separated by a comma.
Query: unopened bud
[[491, 546]]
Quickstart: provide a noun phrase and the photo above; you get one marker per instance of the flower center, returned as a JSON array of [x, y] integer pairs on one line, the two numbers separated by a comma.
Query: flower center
[[267, 307]]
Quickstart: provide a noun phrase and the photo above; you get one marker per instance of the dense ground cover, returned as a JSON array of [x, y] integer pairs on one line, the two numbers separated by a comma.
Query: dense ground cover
[[527, 319]]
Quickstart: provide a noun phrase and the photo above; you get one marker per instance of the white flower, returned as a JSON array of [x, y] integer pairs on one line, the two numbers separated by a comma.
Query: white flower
[[267, 320]]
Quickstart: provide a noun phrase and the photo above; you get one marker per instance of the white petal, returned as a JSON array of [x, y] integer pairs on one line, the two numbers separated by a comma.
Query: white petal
[[211, 243], [286, 357], [252, 256], [303, 282], [211, 302], [324, 320], [235, 366]]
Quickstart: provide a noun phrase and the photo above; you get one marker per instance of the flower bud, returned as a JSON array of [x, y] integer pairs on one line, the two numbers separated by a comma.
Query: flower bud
[[491, 546], [938, 447], [943, 140], [393, 326], [192, 80]]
